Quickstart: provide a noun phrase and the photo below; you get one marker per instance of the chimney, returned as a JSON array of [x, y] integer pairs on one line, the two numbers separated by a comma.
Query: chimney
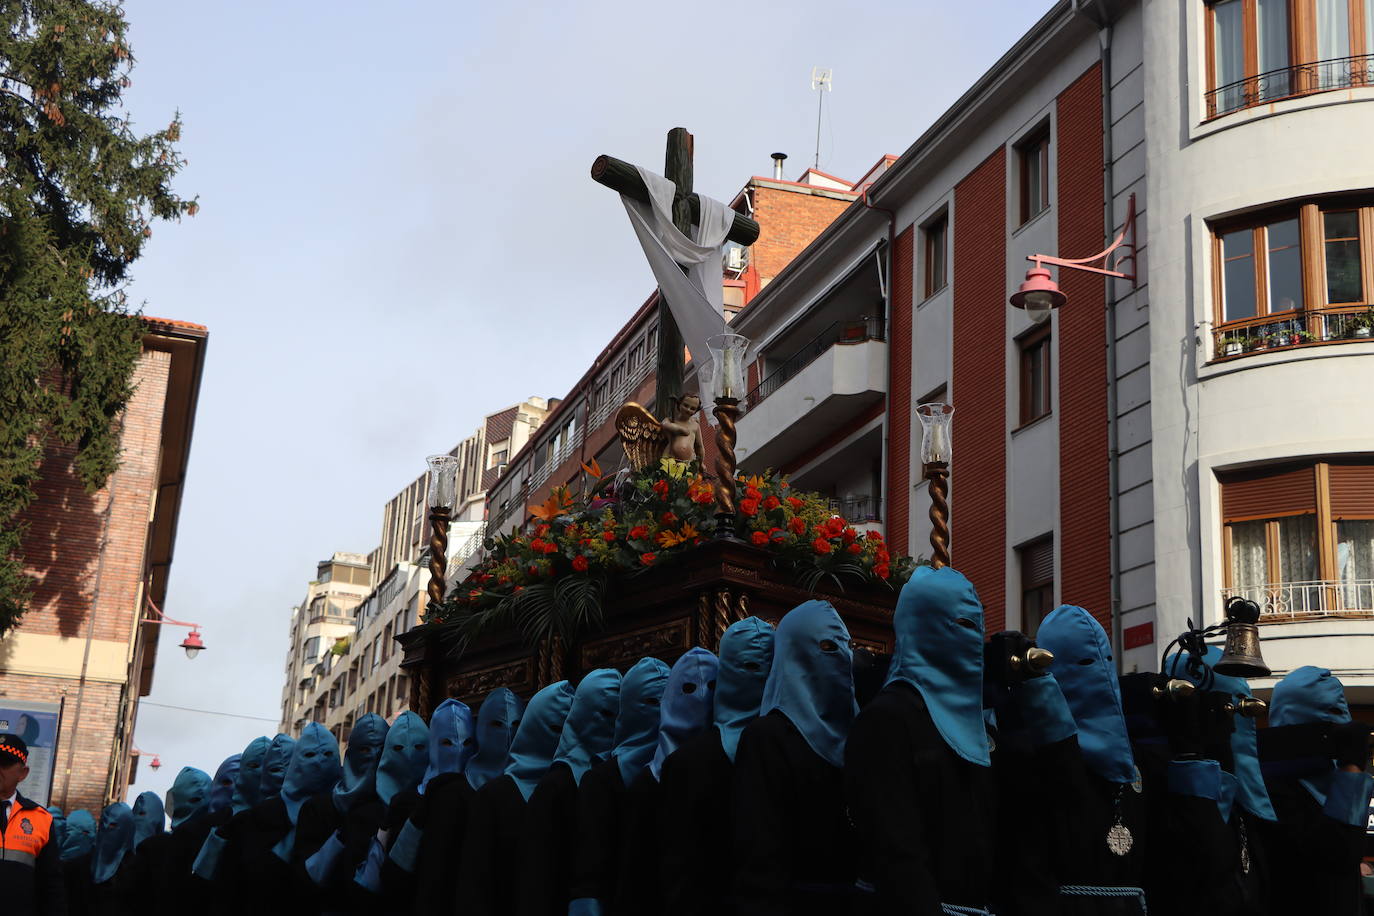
[[777, 165]]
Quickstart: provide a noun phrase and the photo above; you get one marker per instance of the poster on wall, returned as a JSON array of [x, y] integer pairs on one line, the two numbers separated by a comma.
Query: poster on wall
[[37, 723]]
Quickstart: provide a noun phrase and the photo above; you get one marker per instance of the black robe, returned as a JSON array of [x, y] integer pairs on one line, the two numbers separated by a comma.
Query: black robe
[[250, 872], [443, 816], [317, 821], [923, 816], [695, 819], [601, 800], [1189, 849], [397, 889], [161, 878], [640, 891], [794, 849], [1024, 882], [76, 880], [546, 837], [1316, 857], [489, 869]]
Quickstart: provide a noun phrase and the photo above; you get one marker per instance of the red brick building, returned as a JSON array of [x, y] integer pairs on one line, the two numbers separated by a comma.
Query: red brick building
[[98, 562]]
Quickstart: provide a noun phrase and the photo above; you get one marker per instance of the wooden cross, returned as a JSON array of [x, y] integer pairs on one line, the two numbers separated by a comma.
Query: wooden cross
[[677, 167]]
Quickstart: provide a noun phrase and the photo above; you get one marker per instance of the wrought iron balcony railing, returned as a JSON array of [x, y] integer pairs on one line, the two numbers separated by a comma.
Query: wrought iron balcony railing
[[858, 508], [1289, 601], [1292, 329], [1290, 82], [841, 332]]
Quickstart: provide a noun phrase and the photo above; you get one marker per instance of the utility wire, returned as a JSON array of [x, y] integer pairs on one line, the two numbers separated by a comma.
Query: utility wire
[[208, 712]]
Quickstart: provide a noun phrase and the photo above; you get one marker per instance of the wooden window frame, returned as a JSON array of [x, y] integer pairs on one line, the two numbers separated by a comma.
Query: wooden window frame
[[1035, 339], [1037, 141], [936, 235], [1040, 585]]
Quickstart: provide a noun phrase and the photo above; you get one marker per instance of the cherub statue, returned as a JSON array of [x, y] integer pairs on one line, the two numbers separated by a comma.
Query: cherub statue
[[646, 440]]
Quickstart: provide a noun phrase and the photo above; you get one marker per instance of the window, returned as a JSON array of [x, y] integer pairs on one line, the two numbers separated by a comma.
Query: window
[[1037, 582], [618, 376], [1299, 539], [651, 341], [1035, 375], [636, 356], [937, 254], [499, 457], [312, 649], [386, 643], [1260, 51], [1034, 157]]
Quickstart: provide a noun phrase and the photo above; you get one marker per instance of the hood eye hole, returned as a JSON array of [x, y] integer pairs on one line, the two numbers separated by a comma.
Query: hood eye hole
[[468, 742], [751, 666], [308, 754], [446, 742], [498, 724], [711, 685], [422, 747], [829, 645], [689, 687], [398, 747], [652, 701], [966, 623], [1085, 661]]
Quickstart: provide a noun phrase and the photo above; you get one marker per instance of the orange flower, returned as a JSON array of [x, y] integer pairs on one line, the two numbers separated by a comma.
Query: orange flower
[[820, 545], [668, 518], [579, 563], [550, 547], [661, 488], [668, 538], [558, 503], [541, 531], [753, 493], [688, 531], [594, 470], [759, 537], [639, 533], [647, 558], [749, 507]]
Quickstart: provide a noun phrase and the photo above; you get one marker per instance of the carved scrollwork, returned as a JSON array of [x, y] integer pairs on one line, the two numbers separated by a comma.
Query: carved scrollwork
[[672, 638], [514, 675]]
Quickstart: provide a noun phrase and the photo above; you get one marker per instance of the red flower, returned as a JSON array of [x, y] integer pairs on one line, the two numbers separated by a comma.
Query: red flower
[[647, 558], [668, 519], [608, 537], [820, 545], [541, 530], [749, 506], [579, 563], [503, 580], [519, 589], [537, 545], [771, 503], [475, 594], [533, 570], [585, 542], [794, 502], [855, 549], [753, 493], [797, 526], [759, 537], [776, 534], [661, 488], [882, 572], [550, 547], [834, 526], [783, 485], [639, 533], [850, 535], [875, 535], [703, 495], [882, 557]]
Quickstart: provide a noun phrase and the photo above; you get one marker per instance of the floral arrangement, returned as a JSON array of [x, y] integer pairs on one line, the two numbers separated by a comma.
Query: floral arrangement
[[551, 580]]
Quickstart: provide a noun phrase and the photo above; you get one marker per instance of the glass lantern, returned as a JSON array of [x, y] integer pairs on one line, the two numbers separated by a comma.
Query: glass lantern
[[729, 376], [443, 481], [935, 422]]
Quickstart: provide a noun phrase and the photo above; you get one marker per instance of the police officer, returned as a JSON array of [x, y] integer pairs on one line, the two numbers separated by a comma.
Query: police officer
[[30, 870]]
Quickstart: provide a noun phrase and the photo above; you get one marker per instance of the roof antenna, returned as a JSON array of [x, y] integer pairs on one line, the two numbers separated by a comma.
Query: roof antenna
[[820, 80]]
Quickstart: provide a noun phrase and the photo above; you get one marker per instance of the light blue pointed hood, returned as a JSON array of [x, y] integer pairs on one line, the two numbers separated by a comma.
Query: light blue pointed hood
[[589, 733], [59, 825], [939, 651], [746, 657], [812, 678], [536, 741], [404, 756], [451, 740], [688, 703], [1306, 696], [497, 721], [248, 782], [636, 727], [226, 778], [1086, 673], [274, 766], [112, 842], [149, 818], [314, 768], [359, 780], [80, 837], [189, 796], [1249, 783]]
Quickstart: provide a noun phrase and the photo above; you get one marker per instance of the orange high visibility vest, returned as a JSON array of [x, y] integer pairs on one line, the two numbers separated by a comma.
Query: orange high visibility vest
[[28, 831]]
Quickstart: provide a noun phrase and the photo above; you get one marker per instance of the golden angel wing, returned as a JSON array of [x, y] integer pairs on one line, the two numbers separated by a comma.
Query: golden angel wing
[[641, 435]]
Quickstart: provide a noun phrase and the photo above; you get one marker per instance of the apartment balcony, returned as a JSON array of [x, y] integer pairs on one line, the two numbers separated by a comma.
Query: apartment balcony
[[813, 394], [1289, 330], [1290, 602], [1291, 82]]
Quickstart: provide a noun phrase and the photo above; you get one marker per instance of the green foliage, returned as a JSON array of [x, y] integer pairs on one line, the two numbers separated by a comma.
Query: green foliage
[[78, 192]]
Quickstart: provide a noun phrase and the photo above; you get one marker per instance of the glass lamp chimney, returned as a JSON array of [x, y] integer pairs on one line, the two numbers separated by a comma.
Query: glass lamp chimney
[[935, 431], [443, 481]]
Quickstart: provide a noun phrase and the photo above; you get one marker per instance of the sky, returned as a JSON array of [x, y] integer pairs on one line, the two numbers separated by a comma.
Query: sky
[[398, 236]]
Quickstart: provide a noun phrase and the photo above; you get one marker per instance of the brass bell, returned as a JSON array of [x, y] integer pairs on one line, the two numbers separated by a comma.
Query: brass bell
[[1176, 688], [1241, 656]]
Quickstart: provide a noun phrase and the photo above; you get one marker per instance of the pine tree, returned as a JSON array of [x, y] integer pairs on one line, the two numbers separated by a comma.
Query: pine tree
[[79, 190]]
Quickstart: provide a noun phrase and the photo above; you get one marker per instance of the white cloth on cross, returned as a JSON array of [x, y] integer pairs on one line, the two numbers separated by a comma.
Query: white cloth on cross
[[695, 298]]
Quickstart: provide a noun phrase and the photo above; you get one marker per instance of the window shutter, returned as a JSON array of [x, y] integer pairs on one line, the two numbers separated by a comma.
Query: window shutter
[[1268, 493], [1352, 491], [1037, 563]]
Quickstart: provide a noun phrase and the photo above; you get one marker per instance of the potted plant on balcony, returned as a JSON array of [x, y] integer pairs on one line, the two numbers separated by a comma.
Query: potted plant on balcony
[[1231, 345], [1257, 342], [1361, 325]]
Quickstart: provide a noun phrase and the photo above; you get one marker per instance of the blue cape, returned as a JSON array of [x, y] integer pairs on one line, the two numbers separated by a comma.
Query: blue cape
[[497, 720], [746, 657], [59, 825], [226, 779], [589, 733], [314, 768], [939, 651], [115, 838], [636, 728], [359, 779], [451, 741], [404, 757], [149, 819], [687, 704], [813, 686], [1249, 783], [1086, 674], [248, 783], [1305, 696], [274, 766], [80, 836], [537, 738]]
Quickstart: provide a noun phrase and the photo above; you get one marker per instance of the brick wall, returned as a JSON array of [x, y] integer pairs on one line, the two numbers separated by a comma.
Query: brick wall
[[978, 511], [1084, 507], [789, 221], [100, 712], [899, 463]]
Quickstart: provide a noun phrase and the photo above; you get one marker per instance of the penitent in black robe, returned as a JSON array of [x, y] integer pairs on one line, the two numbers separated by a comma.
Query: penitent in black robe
[[442, 815], [794, 849], [546, 837], [923, 816], [695, 819], [489, 868], [1316, 857], [250, 871], [601, 800], [318, 820], [640, 891]]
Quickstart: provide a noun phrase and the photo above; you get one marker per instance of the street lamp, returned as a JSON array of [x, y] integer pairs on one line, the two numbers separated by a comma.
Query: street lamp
[[935, 420], [1039, 294], [192, 643], [443, 490], [728, 381]]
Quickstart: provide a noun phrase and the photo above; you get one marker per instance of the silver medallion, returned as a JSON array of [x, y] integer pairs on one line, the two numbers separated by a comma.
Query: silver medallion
[[1245, 860], [1119, 839]]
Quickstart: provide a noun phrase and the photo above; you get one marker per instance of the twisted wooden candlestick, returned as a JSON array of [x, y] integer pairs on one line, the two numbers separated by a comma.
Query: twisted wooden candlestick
[[937, 472], [438, 553], [726, 412]]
